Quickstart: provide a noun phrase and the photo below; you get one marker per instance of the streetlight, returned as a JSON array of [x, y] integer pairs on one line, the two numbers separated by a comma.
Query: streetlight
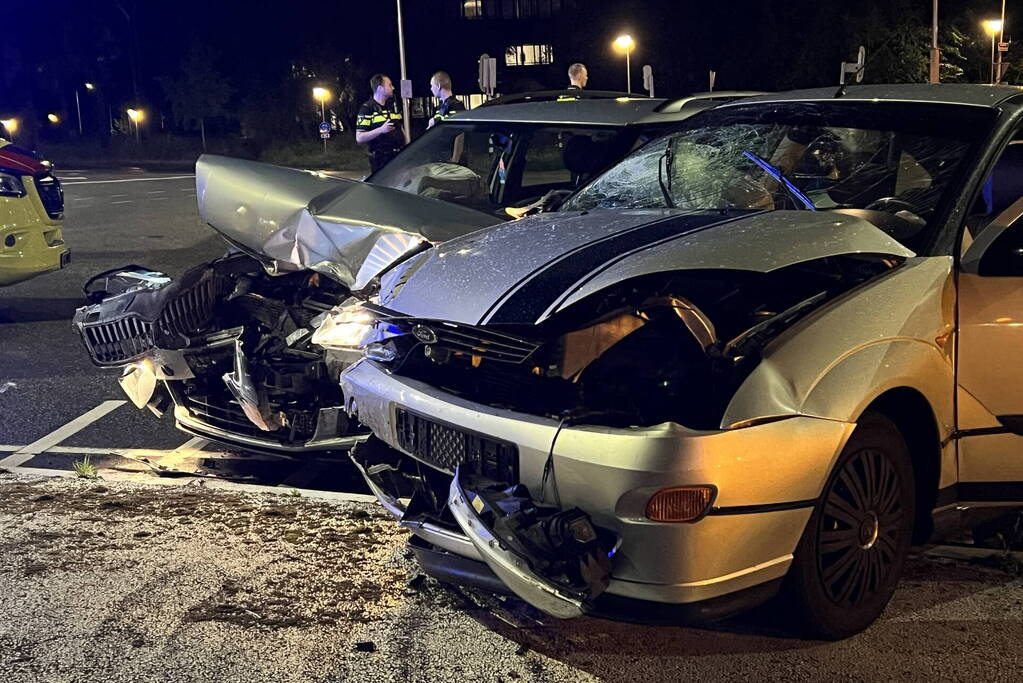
[[626, 43], [993, 27], [53, 118], [322, 95], [11, 125], [137, 115]]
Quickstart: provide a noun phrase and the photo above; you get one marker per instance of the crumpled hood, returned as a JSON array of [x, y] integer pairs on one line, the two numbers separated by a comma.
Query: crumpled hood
[[345, 229], [524, 272]]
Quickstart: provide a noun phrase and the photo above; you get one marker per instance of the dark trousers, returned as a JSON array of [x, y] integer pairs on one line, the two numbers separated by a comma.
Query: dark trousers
[[378, 159]]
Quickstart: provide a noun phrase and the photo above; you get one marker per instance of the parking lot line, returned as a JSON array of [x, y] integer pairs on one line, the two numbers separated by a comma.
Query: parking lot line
[[131, 180], [76, 425]]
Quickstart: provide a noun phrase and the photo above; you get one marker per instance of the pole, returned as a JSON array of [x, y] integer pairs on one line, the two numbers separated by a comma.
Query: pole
[[401, 52], [323, 119], [138, 136], [628, 72], [1001, 39], [935, 52], [992, 58], [78, 106]]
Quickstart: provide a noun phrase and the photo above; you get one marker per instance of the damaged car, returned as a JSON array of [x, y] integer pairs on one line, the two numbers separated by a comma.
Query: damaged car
[[761, 356], [229, 346]]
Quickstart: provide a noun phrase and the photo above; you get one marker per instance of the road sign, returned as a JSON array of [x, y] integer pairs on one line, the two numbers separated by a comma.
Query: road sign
[[406, 89], [325, 127], [325, 135], [487, 74], [1003, 47]]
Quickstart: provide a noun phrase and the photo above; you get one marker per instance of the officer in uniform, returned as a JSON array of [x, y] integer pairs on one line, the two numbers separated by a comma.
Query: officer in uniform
[[440, 86], [378, 125]]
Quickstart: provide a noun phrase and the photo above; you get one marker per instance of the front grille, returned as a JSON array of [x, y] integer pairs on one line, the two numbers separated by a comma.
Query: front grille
[[52, 195], [189, 312], [222, 415], [477, 341], [446, 447], [118, 341]]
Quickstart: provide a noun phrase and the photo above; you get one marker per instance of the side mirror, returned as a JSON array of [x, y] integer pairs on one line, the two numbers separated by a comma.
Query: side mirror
[[998, 249]]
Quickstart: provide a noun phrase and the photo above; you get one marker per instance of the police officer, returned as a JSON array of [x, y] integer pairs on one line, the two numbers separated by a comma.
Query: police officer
[[378, 125], [440, 86]]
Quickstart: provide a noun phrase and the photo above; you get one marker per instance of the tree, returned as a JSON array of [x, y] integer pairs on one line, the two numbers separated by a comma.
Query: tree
[[197, 91]]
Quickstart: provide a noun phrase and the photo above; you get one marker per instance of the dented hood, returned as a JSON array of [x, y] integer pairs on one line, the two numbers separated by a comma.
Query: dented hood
[[346, 229], [524, 272]]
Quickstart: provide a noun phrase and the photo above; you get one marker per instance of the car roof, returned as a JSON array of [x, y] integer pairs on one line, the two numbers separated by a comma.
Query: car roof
[[618, 111], [938, 93]]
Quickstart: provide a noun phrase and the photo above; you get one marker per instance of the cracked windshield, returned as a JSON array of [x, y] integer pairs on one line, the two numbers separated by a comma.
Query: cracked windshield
[[882, 162]]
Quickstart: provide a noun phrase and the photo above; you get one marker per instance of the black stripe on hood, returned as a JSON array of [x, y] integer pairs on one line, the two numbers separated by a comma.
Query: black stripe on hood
[[545, 286]]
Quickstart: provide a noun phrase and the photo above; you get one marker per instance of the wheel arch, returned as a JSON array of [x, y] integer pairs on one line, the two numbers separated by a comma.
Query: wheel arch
[[915, 419]]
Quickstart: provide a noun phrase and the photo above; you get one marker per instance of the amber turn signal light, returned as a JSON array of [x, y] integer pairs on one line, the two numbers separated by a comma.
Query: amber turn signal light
[[680, 503]]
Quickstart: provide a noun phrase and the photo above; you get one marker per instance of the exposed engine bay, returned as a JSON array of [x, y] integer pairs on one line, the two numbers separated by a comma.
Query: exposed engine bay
[[663, 347], [231, 342]]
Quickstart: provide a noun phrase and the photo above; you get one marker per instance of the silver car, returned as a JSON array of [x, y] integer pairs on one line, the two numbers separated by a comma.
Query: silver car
[[767, 352], [229, 345]]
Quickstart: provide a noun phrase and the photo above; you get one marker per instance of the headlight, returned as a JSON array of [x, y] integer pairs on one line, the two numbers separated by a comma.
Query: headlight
[[11, 186], [346, 327]]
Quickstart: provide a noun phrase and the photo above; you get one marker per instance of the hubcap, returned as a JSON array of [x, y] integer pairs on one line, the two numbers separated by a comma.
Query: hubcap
[[860, 528]]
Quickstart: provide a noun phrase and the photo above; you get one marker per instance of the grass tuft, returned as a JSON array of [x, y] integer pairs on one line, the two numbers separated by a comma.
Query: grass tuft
[[85, 469]]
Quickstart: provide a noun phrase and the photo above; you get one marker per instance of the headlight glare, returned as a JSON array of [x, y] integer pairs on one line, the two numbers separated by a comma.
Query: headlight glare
[[346, 327]]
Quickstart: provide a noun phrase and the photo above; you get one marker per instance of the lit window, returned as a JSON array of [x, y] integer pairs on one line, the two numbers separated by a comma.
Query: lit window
[[472, 9], [528, 55]]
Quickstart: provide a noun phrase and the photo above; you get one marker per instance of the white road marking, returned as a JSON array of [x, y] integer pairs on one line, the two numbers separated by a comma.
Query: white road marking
[[156, 192], [131, 180], [123, 201], [82, 199], [118, 195], [186, 189], [211, 483], [65, 178], [195, 444], [57, 435], [157, 199]]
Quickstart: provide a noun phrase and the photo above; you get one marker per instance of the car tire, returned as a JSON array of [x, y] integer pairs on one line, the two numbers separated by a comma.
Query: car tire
[[854, 548]]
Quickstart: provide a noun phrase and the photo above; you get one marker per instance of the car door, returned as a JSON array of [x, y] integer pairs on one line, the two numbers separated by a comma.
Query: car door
[[990, 342]]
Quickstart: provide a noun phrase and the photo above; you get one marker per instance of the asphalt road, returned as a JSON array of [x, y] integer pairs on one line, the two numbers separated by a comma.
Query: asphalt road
[[111, 219]]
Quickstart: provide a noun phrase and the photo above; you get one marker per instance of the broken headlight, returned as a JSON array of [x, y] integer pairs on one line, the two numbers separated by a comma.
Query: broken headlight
[[347, 327]]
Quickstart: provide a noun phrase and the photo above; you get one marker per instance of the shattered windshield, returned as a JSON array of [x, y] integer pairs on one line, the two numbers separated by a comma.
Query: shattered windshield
[[900, 159]]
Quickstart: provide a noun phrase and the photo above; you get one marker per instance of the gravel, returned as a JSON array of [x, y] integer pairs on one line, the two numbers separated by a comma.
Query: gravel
[[122, 581]]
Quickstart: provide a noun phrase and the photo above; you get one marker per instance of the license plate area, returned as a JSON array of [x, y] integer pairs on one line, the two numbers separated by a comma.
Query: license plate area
[[446, 446]]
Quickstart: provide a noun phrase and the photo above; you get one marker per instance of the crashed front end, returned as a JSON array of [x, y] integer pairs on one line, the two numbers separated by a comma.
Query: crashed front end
[[228, 347], [230, 343], [584, 461]]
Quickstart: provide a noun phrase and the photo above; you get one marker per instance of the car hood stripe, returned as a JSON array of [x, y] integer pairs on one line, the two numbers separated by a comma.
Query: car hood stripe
[[533, 296]]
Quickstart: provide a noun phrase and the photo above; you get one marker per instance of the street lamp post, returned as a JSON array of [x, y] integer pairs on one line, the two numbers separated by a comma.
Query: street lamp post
[[993, 27], [626, 43], [136, 115], [78, 105], [406, 122], [322, 95]]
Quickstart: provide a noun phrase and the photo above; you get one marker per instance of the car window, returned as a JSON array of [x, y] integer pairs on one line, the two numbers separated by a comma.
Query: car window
[[489, 165], [900, 160]]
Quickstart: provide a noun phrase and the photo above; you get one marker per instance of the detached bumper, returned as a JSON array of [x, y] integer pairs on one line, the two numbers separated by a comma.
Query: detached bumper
[[767, 477]]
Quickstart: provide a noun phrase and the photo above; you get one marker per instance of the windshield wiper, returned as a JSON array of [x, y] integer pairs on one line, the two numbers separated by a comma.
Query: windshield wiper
[[776, 173], [667, 160]]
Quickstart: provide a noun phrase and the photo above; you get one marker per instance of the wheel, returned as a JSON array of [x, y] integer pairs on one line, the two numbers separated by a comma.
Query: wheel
[[854, 548]]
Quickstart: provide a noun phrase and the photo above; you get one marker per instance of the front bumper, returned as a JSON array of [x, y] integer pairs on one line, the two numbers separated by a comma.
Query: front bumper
[[768, 478]]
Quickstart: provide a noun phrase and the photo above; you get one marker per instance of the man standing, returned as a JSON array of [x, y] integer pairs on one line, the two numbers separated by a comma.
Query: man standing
[[577, 76], [378, 125], [440, 86]]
